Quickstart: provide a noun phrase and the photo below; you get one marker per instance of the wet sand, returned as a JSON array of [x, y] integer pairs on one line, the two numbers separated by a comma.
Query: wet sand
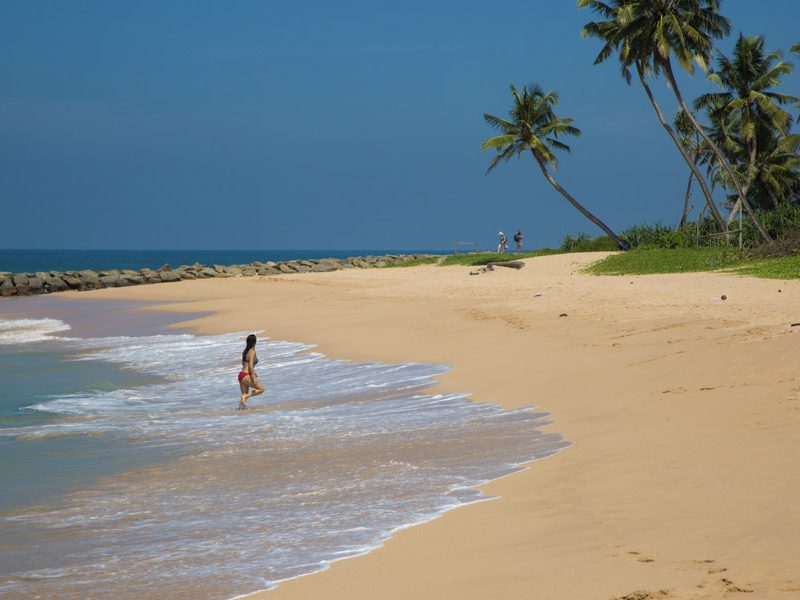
[[684, 412]]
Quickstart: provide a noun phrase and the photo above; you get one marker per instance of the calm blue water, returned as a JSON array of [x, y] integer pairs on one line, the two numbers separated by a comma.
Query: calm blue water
[[21, 261], [125, 470]]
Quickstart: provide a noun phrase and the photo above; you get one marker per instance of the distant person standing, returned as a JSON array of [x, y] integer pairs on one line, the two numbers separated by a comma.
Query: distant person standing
[[503, 245], [518, 240]]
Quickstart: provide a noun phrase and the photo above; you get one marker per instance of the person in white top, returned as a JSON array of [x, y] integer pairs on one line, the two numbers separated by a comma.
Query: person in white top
[[503, 245]]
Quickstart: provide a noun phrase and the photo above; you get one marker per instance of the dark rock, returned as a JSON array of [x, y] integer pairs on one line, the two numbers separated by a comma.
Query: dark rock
[[36, 285], [285, 268], [109, 280], [72, 281], [7, 287], [20, 279], [23, 289], [323, 267], [88, 277], [219, 268], [167, 276], [56, 284], [164, 269], [268, 271], [249, 273], [207, 272], [234, 270], [130, 279], [188, 275]]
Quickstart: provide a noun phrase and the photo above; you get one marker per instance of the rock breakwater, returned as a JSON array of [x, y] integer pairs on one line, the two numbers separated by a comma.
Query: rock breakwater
[[28, 284]]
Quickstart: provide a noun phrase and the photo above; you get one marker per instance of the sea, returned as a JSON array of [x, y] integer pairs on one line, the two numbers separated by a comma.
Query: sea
[[31, 261], [127, 472]]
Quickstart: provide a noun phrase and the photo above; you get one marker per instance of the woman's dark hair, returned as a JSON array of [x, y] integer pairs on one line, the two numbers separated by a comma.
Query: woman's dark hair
[[251, 342]]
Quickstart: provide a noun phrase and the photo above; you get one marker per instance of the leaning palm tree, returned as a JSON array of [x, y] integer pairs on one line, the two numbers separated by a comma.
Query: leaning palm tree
[[650, 32], [534, 127], [693, 145], [612, 32], [748, 100]]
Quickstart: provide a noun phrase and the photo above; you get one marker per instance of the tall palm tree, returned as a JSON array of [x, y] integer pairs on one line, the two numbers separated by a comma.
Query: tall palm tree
[[747, 99], [689, 140], [612, 32], [534, 127], [650, 32]]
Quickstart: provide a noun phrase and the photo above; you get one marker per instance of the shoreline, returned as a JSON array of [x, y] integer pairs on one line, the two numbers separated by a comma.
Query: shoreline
[[672, 463]]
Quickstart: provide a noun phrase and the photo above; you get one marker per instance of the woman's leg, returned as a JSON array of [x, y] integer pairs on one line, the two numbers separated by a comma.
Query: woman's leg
[[244, 388], [259, 389]]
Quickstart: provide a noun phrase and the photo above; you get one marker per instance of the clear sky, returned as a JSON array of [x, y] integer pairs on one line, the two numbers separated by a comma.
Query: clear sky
[[318, 124]]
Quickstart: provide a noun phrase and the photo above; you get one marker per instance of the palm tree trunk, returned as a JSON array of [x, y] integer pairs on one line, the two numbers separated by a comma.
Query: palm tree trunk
[[770, 193], [685, 214], [746, 188], [622, 245], [717, 152], [695, 171]]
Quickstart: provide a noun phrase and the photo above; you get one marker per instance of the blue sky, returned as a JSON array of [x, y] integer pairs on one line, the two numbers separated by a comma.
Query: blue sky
[[319, 125]]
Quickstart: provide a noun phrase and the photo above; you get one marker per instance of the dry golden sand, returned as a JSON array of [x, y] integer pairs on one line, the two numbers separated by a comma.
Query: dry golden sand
[[684, 410]]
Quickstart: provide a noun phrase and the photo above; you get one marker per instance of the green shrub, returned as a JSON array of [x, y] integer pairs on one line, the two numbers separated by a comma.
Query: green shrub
[[647, 235], [584, 243]]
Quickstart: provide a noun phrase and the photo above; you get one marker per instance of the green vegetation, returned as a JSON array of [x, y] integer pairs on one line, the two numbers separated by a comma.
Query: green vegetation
[[783, 267], [692, 260], [484, 258], [584, 243], [663, 260]]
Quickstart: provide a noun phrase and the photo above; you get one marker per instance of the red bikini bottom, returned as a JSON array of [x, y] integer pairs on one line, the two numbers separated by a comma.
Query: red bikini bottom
[[242, 375]]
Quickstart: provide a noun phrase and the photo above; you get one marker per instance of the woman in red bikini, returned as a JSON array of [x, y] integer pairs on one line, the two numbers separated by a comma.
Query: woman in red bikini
[[247, 376]]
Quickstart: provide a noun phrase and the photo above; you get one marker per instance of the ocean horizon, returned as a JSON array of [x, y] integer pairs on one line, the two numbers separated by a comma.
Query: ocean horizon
[[33, 260]]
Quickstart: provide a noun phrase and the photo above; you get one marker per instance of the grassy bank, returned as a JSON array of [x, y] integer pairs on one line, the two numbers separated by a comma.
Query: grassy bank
[[472, 259], [692, 260], [645, 261]]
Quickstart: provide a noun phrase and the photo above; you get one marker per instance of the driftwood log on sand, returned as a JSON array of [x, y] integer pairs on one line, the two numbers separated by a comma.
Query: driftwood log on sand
[[511, 264]]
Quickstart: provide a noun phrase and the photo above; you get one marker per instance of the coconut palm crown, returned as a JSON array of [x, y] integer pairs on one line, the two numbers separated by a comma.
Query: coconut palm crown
[[533, 126], [647, 32], [747, 81]]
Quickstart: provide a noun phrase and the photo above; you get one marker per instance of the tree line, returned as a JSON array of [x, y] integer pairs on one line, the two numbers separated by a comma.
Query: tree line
[[737, 138]]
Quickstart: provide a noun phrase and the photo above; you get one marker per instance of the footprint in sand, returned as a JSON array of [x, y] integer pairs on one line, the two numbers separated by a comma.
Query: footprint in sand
[[723, 585], [708, 565], [643, 595], [641, 557]]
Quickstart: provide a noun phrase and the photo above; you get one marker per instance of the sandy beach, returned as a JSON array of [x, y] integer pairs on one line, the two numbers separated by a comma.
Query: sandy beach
[[683, 410]]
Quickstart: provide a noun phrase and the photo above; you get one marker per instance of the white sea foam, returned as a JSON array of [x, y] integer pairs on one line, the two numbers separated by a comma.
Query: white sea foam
[[22, 331], [333, 459]]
